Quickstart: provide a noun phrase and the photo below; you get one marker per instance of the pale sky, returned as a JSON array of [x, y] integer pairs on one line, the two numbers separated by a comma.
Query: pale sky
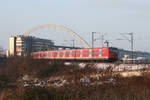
[[82, 16]]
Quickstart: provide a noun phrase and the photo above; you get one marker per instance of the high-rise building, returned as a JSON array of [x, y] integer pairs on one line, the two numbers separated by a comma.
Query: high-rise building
[[12, 45], [21, 45]]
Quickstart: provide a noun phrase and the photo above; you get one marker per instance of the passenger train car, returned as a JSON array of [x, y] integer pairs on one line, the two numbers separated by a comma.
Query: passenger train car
[[95, 54]]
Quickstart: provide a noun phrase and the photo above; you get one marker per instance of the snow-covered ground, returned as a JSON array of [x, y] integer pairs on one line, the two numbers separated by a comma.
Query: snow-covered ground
[[125, 70], [117, 67]]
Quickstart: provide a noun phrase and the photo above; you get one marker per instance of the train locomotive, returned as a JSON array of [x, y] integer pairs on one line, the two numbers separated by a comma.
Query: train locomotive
[[91, 54]]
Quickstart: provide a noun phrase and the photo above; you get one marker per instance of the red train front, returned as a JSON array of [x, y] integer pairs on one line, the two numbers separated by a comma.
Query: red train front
[[95, 54]]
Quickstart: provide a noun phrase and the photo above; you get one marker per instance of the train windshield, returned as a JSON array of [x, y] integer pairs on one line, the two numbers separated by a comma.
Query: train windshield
[[113, 50]]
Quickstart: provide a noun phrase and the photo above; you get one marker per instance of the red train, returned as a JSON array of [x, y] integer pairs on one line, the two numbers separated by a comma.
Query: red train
[[95, 54]]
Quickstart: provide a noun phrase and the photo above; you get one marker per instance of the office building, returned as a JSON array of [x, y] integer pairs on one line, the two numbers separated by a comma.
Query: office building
[[22, 46]]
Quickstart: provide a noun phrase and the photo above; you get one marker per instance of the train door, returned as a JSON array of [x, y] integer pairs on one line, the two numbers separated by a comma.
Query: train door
[[61, 54], [78, 53], [73, 53], [67, 54], [85, 53], [54, 54], [105, 53], [95, 53], [49, 54], [113, 53]]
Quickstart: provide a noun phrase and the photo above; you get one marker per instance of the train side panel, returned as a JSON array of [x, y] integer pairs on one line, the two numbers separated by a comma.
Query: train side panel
[[78, 54]]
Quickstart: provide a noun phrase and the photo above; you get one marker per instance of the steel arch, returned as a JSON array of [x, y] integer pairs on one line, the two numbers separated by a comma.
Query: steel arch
[[61, 27]]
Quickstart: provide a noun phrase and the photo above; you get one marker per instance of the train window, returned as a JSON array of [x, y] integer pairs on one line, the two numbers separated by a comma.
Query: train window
[[72, 53], [61, 54], [44, 55], [102, 52], [92, 52], [49, 54], [78, 53], [54, 54], [96, 52], [67, 53], [87, 53], [84, 53], [113, 50]]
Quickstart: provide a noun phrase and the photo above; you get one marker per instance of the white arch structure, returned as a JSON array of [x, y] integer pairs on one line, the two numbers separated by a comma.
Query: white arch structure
[[60, 27]]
